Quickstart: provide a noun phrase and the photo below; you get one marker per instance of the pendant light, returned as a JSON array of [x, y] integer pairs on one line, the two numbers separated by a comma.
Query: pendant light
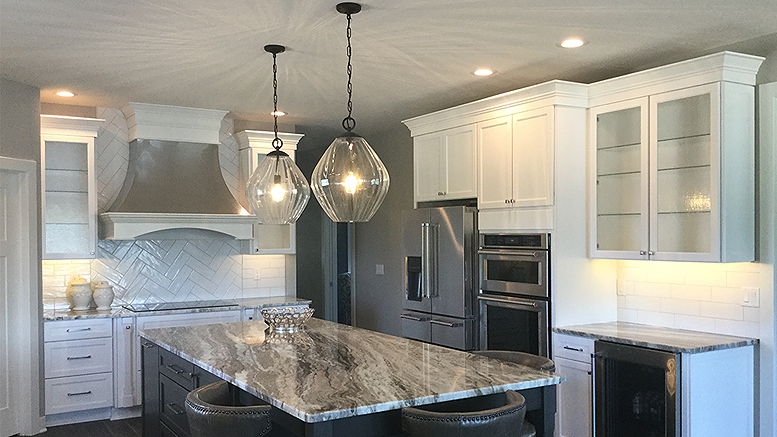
[[350, 181], [277, 191]]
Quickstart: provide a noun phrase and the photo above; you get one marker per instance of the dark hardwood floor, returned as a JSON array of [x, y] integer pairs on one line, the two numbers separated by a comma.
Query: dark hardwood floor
[[101, 428]]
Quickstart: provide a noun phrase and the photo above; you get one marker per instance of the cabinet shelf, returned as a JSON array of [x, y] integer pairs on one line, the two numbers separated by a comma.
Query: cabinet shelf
[[617, 146], [619, 214], [683, 137], [621, 173], [686, 167], [707, 211]]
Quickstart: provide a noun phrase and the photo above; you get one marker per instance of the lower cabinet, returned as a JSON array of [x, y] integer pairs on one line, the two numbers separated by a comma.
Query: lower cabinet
[[167, 380], [78, 366], [572, 356]]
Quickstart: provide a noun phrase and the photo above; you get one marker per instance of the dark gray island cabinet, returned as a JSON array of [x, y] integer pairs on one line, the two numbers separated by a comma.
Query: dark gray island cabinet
[[326, 379]]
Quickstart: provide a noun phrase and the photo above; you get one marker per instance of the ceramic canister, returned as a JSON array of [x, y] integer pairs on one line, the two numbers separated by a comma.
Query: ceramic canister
[[103, 295], [79, 293]]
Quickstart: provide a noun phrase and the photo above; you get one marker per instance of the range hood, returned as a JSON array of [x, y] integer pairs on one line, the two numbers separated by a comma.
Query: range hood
[[174, 188]]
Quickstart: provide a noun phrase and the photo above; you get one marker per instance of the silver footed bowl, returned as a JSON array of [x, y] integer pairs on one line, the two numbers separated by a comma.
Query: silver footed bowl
[[287, 319]]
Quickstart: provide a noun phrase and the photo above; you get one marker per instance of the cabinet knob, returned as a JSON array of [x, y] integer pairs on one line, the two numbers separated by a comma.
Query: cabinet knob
[[651, 253], [512, 200], [506, 201], [641, 252]]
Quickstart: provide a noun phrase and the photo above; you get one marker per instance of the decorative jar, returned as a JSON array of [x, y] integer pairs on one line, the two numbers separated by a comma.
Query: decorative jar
[[79, 293], [103, 295]]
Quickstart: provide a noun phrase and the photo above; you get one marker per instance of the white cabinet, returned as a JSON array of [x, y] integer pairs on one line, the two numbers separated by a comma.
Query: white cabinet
[[516, 160], [69, 198], [253, 147], [672, 172], [572, 356], [78, 365], [445, 164]]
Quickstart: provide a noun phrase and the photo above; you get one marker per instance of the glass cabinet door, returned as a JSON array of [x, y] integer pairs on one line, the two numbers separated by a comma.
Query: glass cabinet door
[[683, 161], [621, 172], [69, 222]]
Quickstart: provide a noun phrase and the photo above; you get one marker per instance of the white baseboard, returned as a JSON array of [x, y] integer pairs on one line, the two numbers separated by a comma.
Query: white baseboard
[[78, 417], [126, 413]]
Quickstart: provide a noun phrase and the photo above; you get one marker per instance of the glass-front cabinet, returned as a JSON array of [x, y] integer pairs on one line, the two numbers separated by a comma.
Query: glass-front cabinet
[[667, 185], [69, 199]]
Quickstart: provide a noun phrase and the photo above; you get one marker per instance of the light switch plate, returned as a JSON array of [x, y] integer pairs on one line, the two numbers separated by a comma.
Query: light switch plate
[[751, 297], [378, 269]]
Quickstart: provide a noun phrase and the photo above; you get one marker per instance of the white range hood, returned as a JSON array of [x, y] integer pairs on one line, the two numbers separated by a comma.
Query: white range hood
[[174, 188]]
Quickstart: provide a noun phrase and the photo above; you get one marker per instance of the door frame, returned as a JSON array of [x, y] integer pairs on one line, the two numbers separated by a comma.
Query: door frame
[[27, 341]]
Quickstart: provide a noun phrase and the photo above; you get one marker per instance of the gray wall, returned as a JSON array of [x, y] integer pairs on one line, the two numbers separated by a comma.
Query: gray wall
[[20, 138], [379, 297]]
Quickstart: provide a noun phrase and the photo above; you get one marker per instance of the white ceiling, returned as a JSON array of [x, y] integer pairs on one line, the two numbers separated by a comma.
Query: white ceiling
[[410, 57]]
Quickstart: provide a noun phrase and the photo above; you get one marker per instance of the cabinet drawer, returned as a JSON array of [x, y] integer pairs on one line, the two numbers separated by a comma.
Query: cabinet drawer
[[78, 357], [573, 347], [177, 369], [77, 329], [172, 403], [75, 393]]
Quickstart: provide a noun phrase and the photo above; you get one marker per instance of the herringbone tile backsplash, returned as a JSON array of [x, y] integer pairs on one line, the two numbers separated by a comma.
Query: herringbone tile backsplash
[[148, 271]]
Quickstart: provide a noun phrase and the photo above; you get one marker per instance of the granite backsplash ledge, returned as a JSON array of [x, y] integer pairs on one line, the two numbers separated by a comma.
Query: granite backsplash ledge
[[150, 271]]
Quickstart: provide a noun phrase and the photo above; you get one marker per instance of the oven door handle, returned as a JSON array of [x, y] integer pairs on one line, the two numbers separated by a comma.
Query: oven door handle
[[512, 302], [510, 253]]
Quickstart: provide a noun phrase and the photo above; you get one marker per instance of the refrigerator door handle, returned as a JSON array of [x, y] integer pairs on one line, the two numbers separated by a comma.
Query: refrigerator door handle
[[442, 323], [428, 260]]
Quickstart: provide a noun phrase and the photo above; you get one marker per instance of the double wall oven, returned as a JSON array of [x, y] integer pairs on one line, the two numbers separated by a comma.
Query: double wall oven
[[514, 292]]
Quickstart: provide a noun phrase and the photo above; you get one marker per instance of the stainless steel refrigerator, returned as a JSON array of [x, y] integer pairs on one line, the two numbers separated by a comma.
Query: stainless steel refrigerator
[[439, 296]]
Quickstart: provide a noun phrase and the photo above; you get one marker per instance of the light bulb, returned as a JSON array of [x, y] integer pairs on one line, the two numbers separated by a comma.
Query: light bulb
[[350, 183], [278, 192]]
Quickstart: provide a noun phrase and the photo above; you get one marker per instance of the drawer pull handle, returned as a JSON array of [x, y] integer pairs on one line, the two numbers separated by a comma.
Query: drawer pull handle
[[179, 371], [148, 344], [576, 349], [79, 330], [176, 408], [80, 393], [413, 318], [84, 357]]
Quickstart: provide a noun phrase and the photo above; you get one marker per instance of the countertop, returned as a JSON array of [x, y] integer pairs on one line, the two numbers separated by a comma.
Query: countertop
[[52, 312], [329, 371], [656, 337]]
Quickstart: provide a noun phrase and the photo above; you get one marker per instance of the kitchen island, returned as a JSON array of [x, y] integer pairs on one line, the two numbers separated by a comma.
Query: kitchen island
[[330, 379]]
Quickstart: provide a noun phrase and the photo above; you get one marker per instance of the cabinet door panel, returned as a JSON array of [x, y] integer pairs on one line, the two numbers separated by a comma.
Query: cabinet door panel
[[426, 162], [575, 402], [533, 158], [684, 144], [619, 186], [496, 167], [459, 164]]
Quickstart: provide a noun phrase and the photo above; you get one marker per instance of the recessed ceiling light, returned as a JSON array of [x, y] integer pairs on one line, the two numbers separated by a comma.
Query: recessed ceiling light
[[277, 113], [572, 43], [483, 72], [65, 94]]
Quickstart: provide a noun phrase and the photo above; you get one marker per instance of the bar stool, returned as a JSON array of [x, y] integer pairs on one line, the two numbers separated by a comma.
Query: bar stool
[[529, 360], [211, 411]]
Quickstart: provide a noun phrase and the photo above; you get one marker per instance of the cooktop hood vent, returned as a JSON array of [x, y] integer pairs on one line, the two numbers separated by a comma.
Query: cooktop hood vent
[[174, 188]]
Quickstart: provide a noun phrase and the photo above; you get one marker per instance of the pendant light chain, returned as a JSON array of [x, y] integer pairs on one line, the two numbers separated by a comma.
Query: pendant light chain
[[348, 122], [277, 143]]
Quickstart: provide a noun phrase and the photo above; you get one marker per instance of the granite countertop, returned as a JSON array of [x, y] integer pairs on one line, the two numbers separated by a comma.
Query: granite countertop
[[657, 337], [63, 312], [329, 371]]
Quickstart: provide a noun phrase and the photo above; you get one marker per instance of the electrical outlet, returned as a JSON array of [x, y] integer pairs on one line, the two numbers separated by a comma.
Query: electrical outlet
[[751, 297], [257, 275], [379, 269]]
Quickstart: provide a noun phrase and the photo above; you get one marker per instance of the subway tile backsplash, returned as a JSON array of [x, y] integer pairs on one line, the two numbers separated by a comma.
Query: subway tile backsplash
[[696, 296]]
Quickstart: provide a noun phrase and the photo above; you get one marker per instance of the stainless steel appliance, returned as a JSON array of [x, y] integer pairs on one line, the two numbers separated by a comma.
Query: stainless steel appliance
[[635, 391], [514, 293], [440, 254]]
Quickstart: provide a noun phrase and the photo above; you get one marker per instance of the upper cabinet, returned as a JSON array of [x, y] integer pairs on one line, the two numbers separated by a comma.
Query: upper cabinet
[[516, 160], [69, 198], [445, 164], [672, 162], [499, 150], [253, 147]]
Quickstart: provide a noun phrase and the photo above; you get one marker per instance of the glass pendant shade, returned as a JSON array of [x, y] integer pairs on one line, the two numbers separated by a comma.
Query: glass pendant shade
[[350, 181], [277, 191]]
